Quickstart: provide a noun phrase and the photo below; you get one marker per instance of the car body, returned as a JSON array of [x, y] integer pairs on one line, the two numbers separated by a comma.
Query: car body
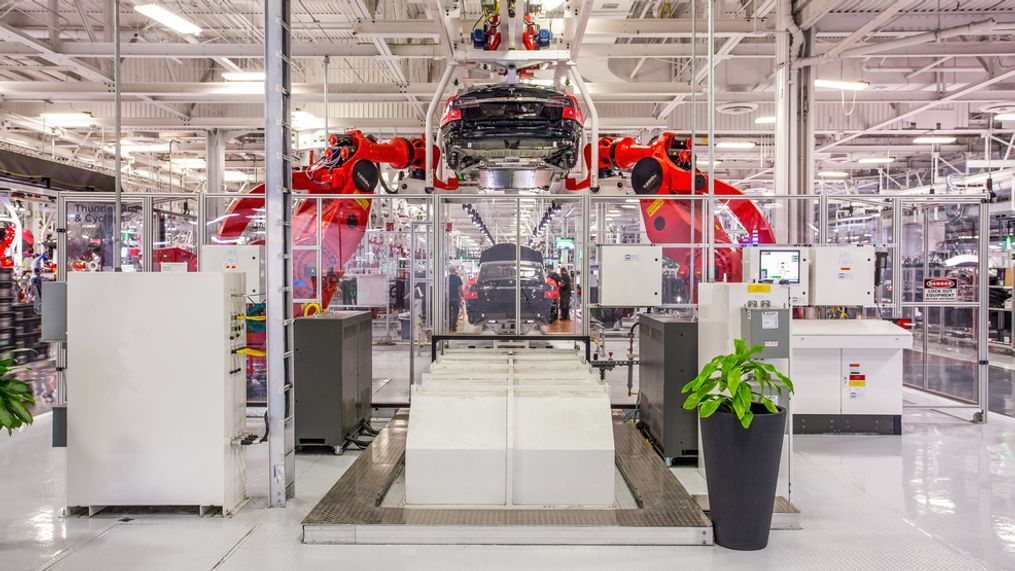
[[512, 126], [490, 295]]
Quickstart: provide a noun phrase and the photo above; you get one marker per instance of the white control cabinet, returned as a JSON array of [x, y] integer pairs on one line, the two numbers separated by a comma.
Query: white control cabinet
[[842, 275], [799, 280], [630, 276], [247, 260], [848, 366], [156, 394]]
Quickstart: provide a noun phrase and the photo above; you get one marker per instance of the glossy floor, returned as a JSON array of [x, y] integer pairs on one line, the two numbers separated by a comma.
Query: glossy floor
[[942, 496]]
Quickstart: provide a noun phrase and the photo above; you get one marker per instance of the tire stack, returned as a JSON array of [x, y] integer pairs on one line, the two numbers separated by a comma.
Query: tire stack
[[28, 334], [7, 338]]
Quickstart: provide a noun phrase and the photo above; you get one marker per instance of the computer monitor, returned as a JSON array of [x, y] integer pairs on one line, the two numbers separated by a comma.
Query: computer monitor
[[779, 266]]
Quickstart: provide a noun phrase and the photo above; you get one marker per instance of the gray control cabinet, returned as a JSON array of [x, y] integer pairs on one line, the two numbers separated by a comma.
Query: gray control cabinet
[[768, 327], [668, 359], [333, 376]]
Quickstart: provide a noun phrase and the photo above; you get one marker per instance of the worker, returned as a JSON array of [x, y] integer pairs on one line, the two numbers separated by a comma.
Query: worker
[[35, 290], [564, 283], [454, 298]]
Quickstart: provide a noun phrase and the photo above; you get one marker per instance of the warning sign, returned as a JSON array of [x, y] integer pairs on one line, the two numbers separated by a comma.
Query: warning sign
[[940, 289]]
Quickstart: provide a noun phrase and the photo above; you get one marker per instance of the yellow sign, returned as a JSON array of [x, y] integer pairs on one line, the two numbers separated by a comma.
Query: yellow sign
[[759, 288], [654, 207], [858, 383]]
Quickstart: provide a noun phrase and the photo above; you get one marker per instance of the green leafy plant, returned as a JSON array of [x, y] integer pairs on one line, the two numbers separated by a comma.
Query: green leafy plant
[[15, 398], [733, 382]]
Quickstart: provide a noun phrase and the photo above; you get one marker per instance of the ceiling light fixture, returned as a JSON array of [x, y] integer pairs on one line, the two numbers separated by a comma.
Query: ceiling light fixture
[[765, 120], [704, 163], [67, 119], [235, 176], [842, 84], [833, 174], [934, 140], [168, 19], [876, 160], [243, 76], [1004, 117], [735, 145]]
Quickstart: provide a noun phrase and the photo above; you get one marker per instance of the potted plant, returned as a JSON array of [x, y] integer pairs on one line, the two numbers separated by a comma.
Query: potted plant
[[741, 432], [15, 398]]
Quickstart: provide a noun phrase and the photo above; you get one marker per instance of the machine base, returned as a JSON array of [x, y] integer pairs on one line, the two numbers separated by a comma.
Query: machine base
[[351, 512], [847, 424]]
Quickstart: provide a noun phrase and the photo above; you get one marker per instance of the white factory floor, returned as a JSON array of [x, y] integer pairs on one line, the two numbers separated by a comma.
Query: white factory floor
[[941, 496]]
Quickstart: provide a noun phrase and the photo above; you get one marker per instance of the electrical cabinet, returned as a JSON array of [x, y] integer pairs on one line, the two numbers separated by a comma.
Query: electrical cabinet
[[848, 375], [630, 276], [157, 393], [799, 281], [333, 376], [842, 275], [667, 360], [248, 260]]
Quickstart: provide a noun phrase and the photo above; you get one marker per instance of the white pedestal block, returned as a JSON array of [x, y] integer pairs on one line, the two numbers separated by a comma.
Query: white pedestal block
[[455, 451], [563, 449]]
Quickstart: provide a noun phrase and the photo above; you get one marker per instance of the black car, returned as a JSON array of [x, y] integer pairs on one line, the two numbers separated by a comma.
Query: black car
[[512, 126], [490, 296]]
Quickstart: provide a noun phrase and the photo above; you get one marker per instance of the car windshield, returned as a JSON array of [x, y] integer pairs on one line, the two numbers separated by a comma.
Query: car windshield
[[506, 271]]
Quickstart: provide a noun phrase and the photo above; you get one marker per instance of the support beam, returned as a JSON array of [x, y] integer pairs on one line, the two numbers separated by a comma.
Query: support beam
[[278, 298], [880, 19], [919, 109], [215, 160]]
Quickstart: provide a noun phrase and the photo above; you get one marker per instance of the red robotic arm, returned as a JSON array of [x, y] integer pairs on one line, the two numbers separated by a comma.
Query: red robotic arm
[[350, 165], [663, 168]]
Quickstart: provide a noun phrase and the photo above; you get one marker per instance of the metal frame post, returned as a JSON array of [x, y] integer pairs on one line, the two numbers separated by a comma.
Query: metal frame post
[[576, 76], [710, 120], [278, 265], [428, 169], [982, 338], [117, 161]]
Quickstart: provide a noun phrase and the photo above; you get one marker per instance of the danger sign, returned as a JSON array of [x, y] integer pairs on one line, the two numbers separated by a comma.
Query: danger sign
[[940, 289]]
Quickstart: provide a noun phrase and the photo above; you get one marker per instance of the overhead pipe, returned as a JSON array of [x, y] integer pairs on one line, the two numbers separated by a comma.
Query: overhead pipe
[[593, 165], [428, 167], [984, 26]]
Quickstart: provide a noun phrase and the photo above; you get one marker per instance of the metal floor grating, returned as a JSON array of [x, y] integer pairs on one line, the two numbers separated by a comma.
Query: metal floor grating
[[349, 512]]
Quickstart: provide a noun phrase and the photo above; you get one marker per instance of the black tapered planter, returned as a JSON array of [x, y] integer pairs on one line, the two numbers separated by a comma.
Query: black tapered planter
[[742, 471]]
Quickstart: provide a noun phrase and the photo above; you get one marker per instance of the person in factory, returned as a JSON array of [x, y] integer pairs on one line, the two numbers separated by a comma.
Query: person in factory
[[564, 283], [454, 298]]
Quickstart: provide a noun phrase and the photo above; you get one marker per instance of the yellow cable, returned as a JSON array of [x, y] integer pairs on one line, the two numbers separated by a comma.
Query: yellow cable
[[251, 352], [251, 318]]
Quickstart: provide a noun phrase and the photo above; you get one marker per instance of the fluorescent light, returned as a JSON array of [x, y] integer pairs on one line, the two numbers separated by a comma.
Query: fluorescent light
[[67, 119], [765, 120], [842, 84], [876, 160], [168, 19], [1004, 117], [833, 174], [550, 5], [188, 163], [306, 121], [934, 140], [243, 76], [704, 163], [128, 146], [242, 88], [235, 176], [735, 145]]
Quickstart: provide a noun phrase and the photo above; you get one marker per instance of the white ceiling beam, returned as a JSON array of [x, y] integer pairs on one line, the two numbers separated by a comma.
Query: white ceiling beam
[[613, 27], [1001, 77], [231, 92], [880, 19]]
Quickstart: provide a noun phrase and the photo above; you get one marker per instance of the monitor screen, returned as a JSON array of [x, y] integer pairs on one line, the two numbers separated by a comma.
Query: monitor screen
[[779, 265]]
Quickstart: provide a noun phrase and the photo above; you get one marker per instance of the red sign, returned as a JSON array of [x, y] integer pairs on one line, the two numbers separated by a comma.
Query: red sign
[[940, 289]]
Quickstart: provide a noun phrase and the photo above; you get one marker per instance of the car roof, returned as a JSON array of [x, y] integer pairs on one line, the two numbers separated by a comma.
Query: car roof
[[506, 253]]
